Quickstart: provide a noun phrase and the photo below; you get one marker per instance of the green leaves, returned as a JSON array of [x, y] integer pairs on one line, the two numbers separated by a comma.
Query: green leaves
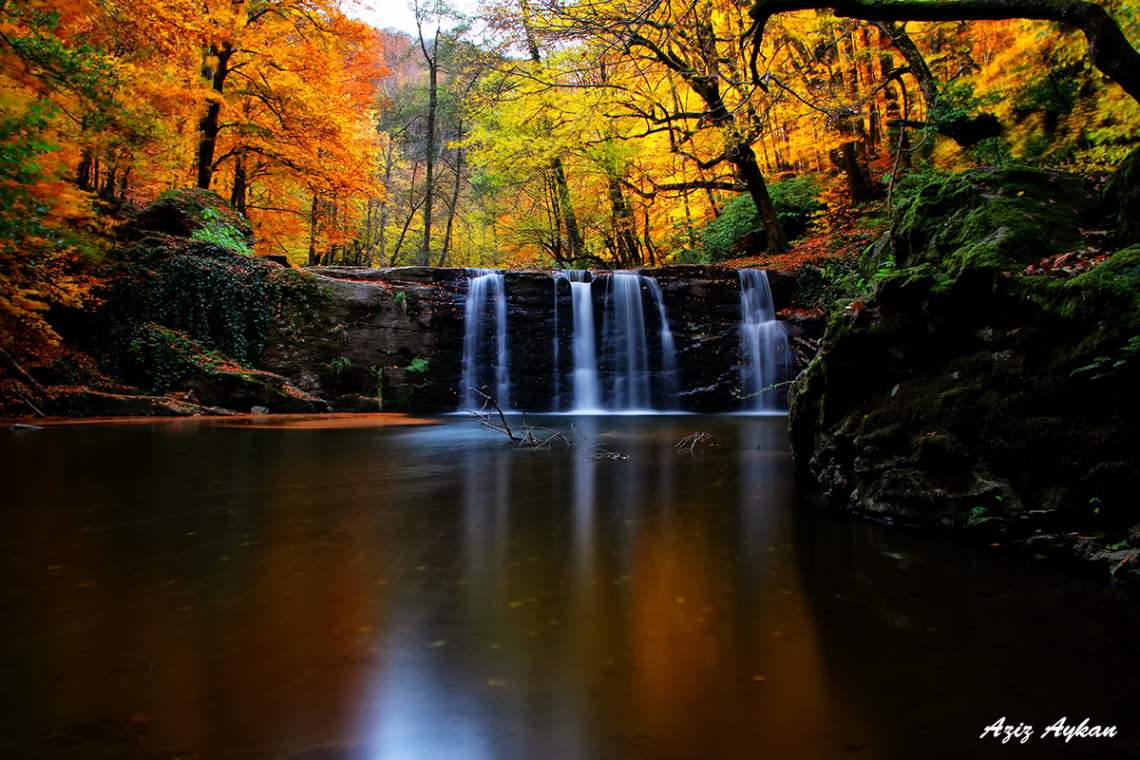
[[795, 200], [1126, 352]]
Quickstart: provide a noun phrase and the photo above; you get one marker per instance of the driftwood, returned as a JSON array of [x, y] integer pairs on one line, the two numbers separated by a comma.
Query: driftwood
[[690, 442], [599, 453], [491, 416]]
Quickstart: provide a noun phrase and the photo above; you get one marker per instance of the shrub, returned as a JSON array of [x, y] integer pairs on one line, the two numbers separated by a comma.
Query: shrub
[[795, 199]]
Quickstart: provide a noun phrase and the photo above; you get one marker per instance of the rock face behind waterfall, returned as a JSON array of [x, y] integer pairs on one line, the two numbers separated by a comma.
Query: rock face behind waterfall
[[981, 387], [401, 331], [389, 339]]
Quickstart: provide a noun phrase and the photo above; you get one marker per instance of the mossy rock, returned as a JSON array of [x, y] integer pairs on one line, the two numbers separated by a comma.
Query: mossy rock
[[991, 220], [972, 394], [164, 360], [1122, 200], [197, 214], [1103, 305]]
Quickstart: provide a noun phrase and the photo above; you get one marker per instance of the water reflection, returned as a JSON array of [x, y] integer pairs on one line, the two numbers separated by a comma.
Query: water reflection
[[425, 592]]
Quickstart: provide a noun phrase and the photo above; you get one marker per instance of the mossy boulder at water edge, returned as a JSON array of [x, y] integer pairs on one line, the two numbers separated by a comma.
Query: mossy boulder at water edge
[[188, 319], [1122, 200], [981, 389]]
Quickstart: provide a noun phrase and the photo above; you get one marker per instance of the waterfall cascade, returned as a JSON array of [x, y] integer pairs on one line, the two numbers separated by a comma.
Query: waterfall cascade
[[625, 348], [669, 384], [764, 356], [485, 340], [586, 395], [630, 363]]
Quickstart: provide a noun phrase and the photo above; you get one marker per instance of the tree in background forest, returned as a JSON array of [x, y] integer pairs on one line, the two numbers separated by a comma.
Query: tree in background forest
[[669, 109], [418, 218]]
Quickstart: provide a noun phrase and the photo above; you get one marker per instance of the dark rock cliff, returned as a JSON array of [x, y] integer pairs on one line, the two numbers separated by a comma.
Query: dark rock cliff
[[990, 383], [399, 332]]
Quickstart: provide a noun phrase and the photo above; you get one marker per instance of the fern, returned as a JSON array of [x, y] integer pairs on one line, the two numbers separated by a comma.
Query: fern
[[1126, 352]]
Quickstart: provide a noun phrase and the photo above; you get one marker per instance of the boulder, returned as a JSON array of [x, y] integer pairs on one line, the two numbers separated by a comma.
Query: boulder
[[194, 213], [1122, 201], [974, 391]]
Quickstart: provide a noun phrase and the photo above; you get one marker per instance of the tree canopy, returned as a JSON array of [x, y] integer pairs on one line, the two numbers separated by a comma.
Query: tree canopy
[[605, 133]]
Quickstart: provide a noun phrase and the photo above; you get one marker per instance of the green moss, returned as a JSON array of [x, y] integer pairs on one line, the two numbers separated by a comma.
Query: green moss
[[200, 215], [221, 302], [991, 220], [1100, 308], [159, 359], [1122, 199]]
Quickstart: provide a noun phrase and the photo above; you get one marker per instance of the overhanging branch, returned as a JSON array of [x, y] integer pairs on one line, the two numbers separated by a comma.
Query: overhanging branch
[[1109, 50]]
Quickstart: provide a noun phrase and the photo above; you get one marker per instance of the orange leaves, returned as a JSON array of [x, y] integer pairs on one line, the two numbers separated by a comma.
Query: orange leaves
[[125, 97]]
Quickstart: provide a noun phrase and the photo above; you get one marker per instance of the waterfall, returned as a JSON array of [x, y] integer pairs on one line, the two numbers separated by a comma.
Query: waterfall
[[559, 274], [628, 366], [669, 385], [485, 340], [625, 345], [586, 394], [764, 355]]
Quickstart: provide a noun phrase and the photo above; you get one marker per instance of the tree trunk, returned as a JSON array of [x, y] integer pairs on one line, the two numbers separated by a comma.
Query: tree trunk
[[454, 195], [87, 170], [371, 207], [737, 151], [561, 208], [626, 252], [314, 259], [574, 240], [238, 194], [433, 105], [744, 159], [208, 125]]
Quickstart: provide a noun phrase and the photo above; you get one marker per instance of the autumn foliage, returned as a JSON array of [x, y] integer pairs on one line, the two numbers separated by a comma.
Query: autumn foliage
[[104, 105], [602, 133], [627, 120]]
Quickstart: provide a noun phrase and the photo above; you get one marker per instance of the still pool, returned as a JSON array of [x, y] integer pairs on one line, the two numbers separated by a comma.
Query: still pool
[[334, 589]]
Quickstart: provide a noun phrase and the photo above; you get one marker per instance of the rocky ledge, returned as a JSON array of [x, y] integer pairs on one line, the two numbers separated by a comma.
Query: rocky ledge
[[989, 384], [393, 338]]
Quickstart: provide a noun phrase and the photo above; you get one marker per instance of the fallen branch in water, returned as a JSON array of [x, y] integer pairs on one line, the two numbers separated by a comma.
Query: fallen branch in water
[[491, 416], [599, 453], [690, 442]]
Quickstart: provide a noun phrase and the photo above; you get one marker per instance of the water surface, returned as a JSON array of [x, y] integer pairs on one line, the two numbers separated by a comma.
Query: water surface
[[222, 589]]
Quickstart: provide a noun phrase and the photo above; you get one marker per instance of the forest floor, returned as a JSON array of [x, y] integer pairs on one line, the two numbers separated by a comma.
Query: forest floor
[[836, 240]]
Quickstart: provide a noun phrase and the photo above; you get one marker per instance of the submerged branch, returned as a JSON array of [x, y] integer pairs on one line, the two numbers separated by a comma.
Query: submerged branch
[[491, 416], [690, 442]]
